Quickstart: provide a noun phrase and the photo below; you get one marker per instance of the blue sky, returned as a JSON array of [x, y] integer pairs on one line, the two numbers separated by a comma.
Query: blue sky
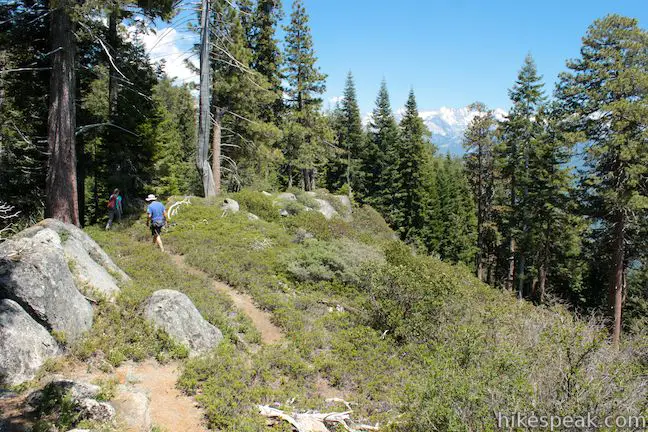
[[452, 52]]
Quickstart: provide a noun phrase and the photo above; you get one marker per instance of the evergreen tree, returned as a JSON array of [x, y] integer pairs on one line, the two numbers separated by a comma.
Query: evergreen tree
[[239, 96], [266, 55], [382, 137], [24, 41], [305, 84], [345, 169], [554, 228], [405, 172], [518, 132], [456, 214], [604, 95], [174, 135], [479, 143]]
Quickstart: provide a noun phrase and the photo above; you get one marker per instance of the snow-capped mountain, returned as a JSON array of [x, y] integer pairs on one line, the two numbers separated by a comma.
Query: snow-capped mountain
[[447, 126]]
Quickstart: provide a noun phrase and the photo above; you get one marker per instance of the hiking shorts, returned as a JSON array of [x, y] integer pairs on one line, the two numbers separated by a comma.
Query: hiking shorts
[[156, 228]]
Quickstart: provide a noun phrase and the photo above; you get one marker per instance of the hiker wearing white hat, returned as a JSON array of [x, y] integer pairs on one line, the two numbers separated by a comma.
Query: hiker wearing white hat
[[156, 219]]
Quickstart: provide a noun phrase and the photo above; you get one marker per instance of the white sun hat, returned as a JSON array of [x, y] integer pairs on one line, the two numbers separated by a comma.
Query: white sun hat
[[151, 197]]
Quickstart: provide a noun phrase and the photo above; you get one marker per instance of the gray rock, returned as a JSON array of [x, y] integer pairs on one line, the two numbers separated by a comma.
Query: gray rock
[[230, 206], [35, 274], [88, 272], [78, 390], [177, 315], [67, 231], [93, 410], [287, 196], [24, 344], [252, 217], [284, 213], [326, 208], [132, 407]]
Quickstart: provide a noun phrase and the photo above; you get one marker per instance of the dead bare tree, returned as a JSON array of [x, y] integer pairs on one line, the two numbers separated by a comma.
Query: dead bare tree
[[202, 155]]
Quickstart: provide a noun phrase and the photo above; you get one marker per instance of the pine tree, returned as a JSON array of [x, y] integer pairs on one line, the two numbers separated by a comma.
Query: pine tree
[[382, 137], [240, 135], [605, 95], [456, 216], [266, 55], [479, 143], [518, 132], [24, 41], [305, 84], [174, 135], [350, 140], [405, 173], [554, 227]]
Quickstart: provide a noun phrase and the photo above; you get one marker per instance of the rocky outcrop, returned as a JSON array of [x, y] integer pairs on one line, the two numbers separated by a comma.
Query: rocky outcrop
[[67, 231], [42, 270], [35, 274], [176, 314], [24, 344], [132, 408], [88, 271], [230, 206], [326, 208], [96, 411]]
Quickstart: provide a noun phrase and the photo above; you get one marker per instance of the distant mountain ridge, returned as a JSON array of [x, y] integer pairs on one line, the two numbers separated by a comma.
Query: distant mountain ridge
[[448, 125]]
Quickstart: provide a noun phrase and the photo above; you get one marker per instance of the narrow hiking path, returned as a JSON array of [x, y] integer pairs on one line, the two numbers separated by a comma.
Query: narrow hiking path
[[169, 408], [270, 333]]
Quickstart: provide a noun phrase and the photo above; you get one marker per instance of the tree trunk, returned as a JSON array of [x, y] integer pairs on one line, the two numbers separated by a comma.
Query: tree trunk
[[617, 278], [216, 151], [309, 179], [61, 201], [542, 282], [520, 278], [202, 153], [510, 278]]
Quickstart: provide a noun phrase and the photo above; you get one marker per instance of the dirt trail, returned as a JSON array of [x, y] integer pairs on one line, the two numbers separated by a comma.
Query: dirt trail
[[270, 333], [169, 408]]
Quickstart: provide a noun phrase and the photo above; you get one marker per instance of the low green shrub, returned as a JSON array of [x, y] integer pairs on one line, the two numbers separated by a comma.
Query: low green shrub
[[339, 260], [258, 204]]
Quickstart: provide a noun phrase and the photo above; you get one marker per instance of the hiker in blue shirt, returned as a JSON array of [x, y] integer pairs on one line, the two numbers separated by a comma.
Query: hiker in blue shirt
[[114, 208], [156, 219]]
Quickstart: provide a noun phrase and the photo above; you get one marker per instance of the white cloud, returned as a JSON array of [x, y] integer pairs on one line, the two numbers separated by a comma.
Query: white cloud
[[172, 47]]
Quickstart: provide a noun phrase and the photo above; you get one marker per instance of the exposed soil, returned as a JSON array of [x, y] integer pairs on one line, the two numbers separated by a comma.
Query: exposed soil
[[270, 333]]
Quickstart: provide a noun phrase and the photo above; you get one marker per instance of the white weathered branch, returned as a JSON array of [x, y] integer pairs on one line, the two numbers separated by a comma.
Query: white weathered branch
[[316, 422], [173, 210]]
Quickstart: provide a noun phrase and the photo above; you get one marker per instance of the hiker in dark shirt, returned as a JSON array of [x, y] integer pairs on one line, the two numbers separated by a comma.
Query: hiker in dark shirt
[[156, 219], [114, 208]]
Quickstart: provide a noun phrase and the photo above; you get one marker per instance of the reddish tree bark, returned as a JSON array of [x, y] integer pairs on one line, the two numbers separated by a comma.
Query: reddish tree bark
[[61, 201]]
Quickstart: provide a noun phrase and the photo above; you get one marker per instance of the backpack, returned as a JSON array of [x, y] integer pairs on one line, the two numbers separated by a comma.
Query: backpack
[[112, 201]]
